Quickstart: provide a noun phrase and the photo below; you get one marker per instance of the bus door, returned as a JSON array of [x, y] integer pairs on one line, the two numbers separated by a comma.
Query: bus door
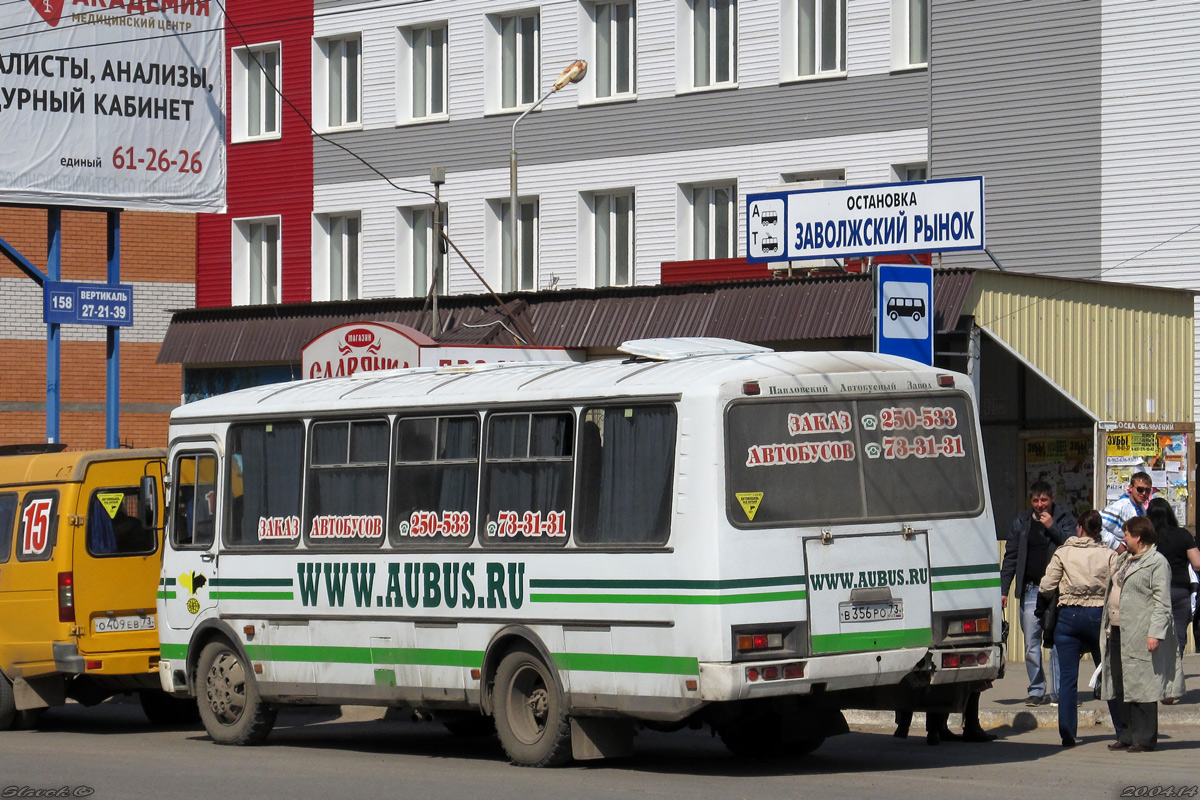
[[190, 568], [868, 591], [116, 564], [30, 569]]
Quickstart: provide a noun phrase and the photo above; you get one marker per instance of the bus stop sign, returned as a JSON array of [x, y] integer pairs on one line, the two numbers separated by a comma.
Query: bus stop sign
[[904, 311]]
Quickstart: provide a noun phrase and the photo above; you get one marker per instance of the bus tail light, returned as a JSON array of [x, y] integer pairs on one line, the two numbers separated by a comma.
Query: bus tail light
[[968, 627], [945, 381], [749, 642], [93, 665], [954, 660], [774, 672], [751, 388], [66, 597]]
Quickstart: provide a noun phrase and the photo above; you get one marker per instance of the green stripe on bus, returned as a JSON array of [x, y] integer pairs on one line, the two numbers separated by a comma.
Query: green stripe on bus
[[603, 662], [871, 640], [365, 655], [739, 583], [938, 572], [166, 595], [981, 583], [167, 582], [670, 599], [251, 595], [173, 651], [250, 582]]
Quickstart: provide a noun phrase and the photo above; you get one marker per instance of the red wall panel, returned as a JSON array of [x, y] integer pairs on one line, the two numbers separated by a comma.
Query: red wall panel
[[272, 178]]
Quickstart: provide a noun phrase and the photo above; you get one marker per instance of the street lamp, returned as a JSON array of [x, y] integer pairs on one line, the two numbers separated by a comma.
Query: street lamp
[[572, 74]]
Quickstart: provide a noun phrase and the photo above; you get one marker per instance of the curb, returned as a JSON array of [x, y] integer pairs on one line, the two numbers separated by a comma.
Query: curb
[[1025, 719]]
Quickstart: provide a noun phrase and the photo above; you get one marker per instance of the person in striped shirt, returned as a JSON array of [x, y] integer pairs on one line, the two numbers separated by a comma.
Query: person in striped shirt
[[1124, 508]]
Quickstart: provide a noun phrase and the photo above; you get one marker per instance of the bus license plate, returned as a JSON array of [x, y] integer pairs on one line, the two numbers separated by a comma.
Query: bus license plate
[[129, 623], [871, 612]]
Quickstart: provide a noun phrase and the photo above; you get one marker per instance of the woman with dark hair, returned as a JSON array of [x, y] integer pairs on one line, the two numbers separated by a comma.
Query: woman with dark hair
[[1178, 546], [1079, 570], [1141, 662]]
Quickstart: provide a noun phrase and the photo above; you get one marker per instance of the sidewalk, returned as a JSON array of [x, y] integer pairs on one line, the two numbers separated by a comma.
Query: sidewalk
[[1004, 704]]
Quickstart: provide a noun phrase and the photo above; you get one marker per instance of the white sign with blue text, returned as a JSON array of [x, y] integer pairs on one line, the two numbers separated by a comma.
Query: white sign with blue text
[[859, 221], [904, 311]]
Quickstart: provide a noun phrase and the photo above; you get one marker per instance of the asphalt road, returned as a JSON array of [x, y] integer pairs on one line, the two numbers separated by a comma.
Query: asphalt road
[[110, 752]]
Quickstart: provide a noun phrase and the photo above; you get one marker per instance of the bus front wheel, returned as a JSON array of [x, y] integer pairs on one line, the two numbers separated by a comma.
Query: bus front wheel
[[230, 706], [531, 720]]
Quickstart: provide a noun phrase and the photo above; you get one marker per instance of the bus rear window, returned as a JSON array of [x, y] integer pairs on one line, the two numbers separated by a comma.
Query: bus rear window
[[809, 462], [114, 526]]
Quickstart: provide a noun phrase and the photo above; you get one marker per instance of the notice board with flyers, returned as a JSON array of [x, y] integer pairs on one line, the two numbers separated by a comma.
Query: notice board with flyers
[[1064, 459], [1163, 451]]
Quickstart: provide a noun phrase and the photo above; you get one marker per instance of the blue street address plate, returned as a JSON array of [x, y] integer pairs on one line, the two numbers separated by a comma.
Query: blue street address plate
[[69, 303]]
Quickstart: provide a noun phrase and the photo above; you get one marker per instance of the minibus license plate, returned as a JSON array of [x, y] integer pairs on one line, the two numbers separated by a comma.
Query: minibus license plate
[[129, 623], [871, 612]]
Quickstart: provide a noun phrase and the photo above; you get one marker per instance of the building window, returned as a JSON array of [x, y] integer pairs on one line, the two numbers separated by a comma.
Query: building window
[[909, 172], [425, 60], [910, 33], [519, 57], [256, 90], [256, 261], [612, 249], [340, 81], [714, 229], [342, 234], [615, 55], [425, 254], [820, 37], [714, 42], [527, 241], [814, 175]]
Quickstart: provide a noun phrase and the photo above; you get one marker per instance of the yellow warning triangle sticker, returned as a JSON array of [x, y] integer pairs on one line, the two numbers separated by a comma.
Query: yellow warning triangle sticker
[[750, 502], [111, 502]]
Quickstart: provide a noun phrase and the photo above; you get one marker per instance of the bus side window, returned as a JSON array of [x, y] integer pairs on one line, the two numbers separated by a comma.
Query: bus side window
[[194, 503], [8, 516]]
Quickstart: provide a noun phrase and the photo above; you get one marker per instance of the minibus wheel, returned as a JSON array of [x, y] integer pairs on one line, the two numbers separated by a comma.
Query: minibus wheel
[[230, 706], [528, 708]]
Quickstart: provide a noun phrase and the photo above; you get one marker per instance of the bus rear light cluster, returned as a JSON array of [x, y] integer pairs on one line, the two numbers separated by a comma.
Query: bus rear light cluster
[[749, 642], [66, 597], [954, 660], [775, 672], [968, 627]]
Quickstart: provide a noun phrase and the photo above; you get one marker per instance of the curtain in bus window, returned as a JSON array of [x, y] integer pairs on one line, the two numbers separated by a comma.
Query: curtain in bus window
[[271, 457], [529, 476], [627, 463], [101, 540], [347, 482], [436, 479], [8, 514]]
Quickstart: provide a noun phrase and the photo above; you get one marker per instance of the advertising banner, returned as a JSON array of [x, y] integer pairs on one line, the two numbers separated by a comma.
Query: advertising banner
[[858, 221], [113, 104]]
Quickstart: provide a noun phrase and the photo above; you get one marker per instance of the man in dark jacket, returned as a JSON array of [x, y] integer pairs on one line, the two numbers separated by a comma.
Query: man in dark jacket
[[1035, 534]]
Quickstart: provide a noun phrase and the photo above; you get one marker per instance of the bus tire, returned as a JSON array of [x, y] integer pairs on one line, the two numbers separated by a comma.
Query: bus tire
[[528, 708], [230, 706], [164, 709], [8, 704]]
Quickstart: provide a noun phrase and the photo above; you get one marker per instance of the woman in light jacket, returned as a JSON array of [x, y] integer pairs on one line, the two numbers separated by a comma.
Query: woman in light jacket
[[1141, 658], [1079, 570]]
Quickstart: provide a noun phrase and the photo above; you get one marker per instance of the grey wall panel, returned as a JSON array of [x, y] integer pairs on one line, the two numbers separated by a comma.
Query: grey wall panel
[[788, 114], [1016, 89]]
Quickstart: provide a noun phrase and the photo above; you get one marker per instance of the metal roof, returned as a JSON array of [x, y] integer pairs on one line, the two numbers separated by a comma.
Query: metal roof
[[752, 311]]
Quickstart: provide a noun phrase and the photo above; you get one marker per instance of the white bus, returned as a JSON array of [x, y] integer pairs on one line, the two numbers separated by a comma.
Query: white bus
[[706, 532]]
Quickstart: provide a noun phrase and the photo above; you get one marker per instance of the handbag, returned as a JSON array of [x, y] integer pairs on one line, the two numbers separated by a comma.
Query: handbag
[[1046, 610]]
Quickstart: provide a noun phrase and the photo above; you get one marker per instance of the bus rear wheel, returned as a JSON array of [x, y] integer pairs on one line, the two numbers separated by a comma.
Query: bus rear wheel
[[230, 706], [531, 720]]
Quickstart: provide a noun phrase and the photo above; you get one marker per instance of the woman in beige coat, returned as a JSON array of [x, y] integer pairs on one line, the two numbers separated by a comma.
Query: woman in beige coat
[[1079, 570], [1141, 657]]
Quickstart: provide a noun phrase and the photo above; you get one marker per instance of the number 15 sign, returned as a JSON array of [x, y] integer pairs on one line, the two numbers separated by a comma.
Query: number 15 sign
[[69, 303]]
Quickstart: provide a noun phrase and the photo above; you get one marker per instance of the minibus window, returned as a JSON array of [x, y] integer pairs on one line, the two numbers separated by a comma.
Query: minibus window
[[436, 480], [528, 476], [626, 472], [347, 482], [267, 467], [193, 506], [8, 515], [114, 524]]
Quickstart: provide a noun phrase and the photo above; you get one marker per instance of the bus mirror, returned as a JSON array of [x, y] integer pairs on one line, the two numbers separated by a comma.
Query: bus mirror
[[148, 501]]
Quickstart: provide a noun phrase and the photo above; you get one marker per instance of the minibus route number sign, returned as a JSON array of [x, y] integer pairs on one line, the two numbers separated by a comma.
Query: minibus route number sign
[[72, 303]]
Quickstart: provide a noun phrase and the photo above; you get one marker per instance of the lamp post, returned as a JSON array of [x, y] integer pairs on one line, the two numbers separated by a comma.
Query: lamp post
[[572, 74]]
